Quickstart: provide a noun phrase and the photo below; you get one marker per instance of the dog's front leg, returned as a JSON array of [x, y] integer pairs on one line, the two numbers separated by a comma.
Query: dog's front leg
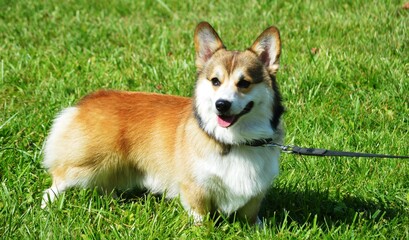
[[249, 212], [196, 202]]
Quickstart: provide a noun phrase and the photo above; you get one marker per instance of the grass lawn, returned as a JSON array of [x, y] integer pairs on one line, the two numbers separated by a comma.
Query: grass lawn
[[344, 77]]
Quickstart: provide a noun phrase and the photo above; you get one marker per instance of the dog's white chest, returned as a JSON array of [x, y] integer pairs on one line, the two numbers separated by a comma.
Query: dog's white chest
[[237, 177]]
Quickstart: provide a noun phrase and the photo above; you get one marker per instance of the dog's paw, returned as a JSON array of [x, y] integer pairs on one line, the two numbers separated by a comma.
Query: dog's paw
[[259, 224]]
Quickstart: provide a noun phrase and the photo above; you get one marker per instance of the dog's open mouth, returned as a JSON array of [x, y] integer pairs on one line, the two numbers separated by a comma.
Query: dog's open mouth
[[228, 120]]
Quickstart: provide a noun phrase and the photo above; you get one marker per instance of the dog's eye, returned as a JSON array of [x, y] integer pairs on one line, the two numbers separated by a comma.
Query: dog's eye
[[215, 82], [243, 84]]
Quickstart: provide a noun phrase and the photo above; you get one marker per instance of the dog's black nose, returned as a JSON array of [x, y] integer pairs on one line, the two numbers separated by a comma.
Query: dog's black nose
[[223, 105]]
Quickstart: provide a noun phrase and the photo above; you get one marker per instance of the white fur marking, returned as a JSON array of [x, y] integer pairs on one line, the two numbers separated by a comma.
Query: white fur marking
[[239, 176]]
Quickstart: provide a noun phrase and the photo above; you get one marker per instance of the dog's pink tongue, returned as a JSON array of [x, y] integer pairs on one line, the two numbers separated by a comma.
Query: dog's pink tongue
[[225, 121]]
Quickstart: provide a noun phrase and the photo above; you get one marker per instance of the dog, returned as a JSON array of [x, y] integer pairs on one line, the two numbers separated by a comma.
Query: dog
[[202, 149]]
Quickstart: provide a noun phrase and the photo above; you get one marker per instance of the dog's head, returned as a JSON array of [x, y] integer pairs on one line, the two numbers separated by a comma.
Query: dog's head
[[236, 96]]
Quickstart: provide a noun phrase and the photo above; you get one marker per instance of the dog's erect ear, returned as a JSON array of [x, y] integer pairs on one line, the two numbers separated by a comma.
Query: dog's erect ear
[[268, 48], [207, 42]]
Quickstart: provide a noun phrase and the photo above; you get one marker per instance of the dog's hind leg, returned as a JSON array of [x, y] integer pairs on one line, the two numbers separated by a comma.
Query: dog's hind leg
[[51, 193], [61, 182]]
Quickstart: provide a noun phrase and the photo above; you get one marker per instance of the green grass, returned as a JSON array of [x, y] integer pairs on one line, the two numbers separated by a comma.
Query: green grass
[[352, 95]]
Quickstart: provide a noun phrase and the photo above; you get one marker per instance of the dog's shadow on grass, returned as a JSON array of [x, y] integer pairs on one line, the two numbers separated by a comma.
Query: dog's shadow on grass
[[286, 205], [308, 206]]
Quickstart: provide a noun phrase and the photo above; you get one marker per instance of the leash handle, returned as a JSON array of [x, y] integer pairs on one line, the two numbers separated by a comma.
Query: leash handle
[[327, 153]]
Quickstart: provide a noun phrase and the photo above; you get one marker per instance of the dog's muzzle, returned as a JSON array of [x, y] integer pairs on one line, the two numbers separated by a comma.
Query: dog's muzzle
[[228, 120], [223, 105]]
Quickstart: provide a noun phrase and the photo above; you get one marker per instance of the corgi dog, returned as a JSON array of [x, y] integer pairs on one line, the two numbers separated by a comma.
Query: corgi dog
[[201, 149]]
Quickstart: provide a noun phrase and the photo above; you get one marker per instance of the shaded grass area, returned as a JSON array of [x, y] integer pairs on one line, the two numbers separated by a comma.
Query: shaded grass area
[[344, 77]]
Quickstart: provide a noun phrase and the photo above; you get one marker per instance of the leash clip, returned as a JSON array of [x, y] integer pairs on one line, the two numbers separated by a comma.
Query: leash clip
[[284, 148], [287, 149]]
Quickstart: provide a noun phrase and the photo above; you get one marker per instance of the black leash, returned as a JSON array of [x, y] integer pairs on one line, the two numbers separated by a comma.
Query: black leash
[[316, 151]]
